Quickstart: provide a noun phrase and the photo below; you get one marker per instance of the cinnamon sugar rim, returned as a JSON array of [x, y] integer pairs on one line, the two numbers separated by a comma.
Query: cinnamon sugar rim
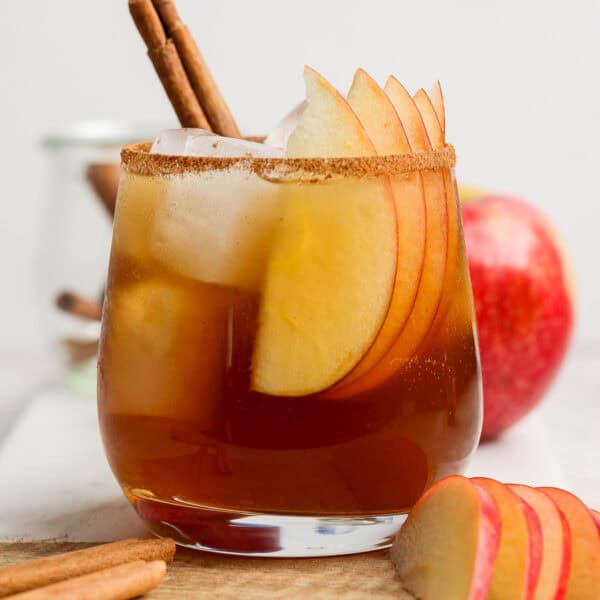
[[137, 159]]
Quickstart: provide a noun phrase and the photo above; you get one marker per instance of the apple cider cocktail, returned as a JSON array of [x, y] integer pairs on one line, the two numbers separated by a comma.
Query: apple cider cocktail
[[288, 357]]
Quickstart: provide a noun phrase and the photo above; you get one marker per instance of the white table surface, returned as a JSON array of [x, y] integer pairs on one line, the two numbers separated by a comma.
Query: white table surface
[[56, 484]]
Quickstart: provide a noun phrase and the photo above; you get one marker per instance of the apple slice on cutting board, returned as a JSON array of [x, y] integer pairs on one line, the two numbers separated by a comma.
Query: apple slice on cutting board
[[556, 543], [382, 124], [584, 578], [331, 272], [519, 558], [448, 545]]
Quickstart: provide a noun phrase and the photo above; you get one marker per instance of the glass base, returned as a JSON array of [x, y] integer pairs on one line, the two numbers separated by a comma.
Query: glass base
[[273, 535]]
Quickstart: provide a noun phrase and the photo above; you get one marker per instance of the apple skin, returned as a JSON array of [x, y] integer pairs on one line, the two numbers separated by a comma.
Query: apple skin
[[523, 303]]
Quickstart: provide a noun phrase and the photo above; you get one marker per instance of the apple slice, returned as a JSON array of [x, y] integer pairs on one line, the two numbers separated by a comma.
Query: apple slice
[[519, 557], [331, 271], [430, 119], [328, 126], [385, 129], [435, 130], [430, 287], [556, 536], [448, 545], [584, 579], [432, 280], [437, 98]]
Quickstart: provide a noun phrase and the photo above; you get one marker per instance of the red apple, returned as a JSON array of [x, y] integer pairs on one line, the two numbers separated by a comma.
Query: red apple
[[523, 301]]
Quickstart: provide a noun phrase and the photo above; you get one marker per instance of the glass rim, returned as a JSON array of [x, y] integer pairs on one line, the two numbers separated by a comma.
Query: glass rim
[[137, 159]]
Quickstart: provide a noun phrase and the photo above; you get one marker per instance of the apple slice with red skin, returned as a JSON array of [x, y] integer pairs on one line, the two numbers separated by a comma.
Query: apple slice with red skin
[[430, 119], [520, 555], [448, 545], [432, 279], [435, 130], [383, 126], [437, 98], [330, 275], [434, 266], [584, 578], [556, 536]]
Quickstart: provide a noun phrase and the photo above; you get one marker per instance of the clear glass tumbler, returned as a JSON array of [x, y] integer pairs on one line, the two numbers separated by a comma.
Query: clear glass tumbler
[[288, 358]]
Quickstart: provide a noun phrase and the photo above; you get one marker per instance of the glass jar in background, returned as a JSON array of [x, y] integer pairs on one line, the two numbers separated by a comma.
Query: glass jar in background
[[82, 176]]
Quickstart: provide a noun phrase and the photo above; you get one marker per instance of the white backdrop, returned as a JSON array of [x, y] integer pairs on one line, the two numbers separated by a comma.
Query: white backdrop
[[521, 83]]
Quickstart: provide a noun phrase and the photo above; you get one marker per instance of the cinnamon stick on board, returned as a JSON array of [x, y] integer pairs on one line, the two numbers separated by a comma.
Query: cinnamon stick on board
[[45, 571], [199, 75], [168, 66], [129, 580]]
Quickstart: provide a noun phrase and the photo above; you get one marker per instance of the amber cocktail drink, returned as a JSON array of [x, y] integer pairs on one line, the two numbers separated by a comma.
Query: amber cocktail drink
[[288, 357]]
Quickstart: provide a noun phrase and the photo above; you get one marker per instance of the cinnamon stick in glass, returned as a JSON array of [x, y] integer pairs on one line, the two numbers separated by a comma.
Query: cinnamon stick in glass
[[199, 75], [45, 571], [168, 66]]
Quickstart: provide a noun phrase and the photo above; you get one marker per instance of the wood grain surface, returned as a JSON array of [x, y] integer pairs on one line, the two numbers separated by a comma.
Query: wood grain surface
[[201, 575]]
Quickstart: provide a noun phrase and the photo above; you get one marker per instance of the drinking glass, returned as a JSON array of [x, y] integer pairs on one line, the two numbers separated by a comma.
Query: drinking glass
[[288, 357]]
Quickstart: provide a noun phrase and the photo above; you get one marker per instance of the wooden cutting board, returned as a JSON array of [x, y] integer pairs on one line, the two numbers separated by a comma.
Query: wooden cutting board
[[201, 575]]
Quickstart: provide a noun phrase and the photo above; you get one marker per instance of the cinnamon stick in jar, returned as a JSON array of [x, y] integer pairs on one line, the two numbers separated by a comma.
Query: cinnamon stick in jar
[[79, 306], [104, 179]]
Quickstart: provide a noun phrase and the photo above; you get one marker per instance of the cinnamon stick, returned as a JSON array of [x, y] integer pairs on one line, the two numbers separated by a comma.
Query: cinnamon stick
[[168, 66], [45, 571], [104, 179], [199, 75], [115, 583], [79, 306]]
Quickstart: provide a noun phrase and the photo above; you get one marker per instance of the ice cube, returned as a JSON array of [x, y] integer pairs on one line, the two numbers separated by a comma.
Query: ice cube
[[156, 358], [138, 199], [199, 142], [217, 227], [173, 141], [279, 136]]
